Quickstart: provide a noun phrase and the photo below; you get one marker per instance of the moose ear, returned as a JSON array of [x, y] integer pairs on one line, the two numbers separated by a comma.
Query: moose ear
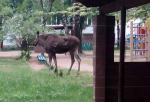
[[38, 34]]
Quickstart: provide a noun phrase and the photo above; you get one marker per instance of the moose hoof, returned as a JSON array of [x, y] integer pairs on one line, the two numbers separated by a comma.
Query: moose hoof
[[56, 71], [68, 73], [61, 74]]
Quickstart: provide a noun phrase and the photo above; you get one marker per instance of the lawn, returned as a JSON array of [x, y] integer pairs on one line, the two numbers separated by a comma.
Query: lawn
[[19, 83]]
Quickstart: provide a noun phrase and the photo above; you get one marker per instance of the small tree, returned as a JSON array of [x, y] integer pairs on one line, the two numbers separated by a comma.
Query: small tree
[[29, 30], [24, 28], [5, 13]]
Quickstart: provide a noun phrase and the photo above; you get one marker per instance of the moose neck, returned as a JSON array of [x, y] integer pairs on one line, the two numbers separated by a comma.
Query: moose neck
[[42, 42]]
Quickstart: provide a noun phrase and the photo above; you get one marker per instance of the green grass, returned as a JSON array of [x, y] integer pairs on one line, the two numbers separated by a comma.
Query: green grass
[[19, 83]]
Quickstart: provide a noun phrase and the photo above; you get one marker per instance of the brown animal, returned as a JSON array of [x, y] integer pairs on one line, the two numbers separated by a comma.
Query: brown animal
[[54, 44]]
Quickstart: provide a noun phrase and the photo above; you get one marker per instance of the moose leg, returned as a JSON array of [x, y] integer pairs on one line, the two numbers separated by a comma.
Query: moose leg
[[79, 61], [50, 61], [55, 61], [72, 61]]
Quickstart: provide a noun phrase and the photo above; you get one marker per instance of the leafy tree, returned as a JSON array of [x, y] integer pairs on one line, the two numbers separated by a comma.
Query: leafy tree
[[24, 24], [5, 13], [46, 7], [142, 12]]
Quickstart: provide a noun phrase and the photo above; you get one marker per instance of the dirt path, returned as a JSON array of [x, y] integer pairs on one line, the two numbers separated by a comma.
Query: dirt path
[[63, 60]]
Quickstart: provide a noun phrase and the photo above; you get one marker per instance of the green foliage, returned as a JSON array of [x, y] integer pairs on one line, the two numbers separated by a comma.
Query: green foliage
[[58, 5], [25, 6], [6, 11], [1, 36], [13, 25], [148, 23], [68, 2], [19, 83], [82, 10], [142, 12], [75, 9], [25, 54], [23, 27]]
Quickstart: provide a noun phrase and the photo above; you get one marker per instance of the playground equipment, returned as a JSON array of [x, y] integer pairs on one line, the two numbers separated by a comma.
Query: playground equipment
[[139, 42], [41, 58]]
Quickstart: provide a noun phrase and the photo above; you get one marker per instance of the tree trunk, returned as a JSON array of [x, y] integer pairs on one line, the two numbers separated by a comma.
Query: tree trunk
[[1, 45], [50, 3], [78, 27], [1, 19]]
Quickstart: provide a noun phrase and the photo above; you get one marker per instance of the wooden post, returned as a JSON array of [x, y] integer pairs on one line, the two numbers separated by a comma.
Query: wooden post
[[103, 54], [148, 45], [122, 56]]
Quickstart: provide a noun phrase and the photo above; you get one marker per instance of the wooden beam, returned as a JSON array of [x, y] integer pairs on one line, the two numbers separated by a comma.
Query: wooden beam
[[109, 6], [122, 56], [116, 5]]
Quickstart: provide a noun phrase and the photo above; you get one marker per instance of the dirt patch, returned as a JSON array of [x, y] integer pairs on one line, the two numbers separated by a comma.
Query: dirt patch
[[35, 65], [63, 60], [9, 54]]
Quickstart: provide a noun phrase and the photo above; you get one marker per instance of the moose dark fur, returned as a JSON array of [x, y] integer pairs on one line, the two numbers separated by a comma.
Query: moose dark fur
[[54, 44]]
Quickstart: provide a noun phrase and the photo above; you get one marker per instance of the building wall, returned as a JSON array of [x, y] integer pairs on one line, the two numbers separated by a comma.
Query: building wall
[[137, 82], [87, 42], [87, 38]]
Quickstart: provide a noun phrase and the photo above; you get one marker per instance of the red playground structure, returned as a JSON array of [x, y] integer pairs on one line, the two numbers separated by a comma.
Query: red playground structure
[[139, 36]]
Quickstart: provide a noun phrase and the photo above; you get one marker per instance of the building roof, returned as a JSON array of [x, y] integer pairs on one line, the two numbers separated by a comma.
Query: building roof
[[58, 26], [88, 30]]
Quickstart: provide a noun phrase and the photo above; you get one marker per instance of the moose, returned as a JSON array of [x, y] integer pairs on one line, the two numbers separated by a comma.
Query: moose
[[55, 44]]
